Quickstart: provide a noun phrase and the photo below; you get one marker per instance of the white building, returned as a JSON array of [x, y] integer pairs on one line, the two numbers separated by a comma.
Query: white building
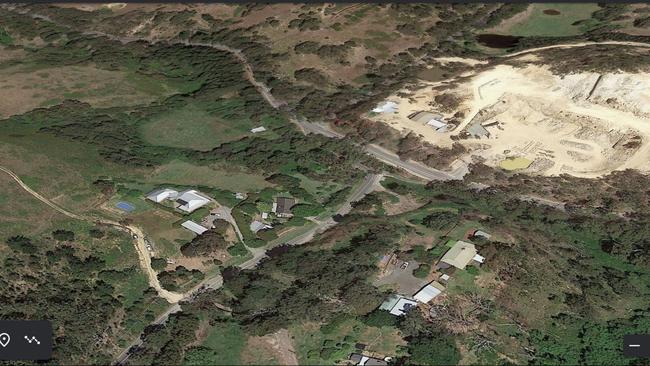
[[479, 258], [436, 123], [387, 107], [191, 200], [258, 129], [256, 226], [160, 195], [398, 305], [194, 227], [428, 292]]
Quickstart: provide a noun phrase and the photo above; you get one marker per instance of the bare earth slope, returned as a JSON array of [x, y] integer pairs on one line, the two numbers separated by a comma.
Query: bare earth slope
[[583, 124]]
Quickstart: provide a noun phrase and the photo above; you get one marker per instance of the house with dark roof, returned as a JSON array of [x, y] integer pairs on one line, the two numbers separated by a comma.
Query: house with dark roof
[[282, 206]]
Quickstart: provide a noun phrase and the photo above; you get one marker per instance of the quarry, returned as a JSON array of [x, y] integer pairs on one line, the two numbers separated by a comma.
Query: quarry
[[525, 118]]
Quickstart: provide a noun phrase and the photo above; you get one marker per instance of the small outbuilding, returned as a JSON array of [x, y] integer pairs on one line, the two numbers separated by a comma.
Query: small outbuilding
[[359, 359], [482, 234], [256, 226]]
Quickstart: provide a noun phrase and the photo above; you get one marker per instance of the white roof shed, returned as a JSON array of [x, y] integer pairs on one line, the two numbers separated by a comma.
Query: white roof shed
[[428, 292], [194, 227], [160, 195], [398, 305], [191, 200], [436, 124]]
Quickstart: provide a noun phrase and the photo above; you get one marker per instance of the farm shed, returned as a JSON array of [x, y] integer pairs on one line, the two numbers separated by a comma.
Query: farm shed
[[428, 292], [194, 227]]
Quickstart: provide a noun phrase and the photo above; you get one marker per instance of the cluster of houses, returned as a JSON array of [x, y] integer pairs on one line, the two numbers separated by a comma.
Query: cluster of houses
[[458, 257], [434, 120], [281, 208], [186, 201]]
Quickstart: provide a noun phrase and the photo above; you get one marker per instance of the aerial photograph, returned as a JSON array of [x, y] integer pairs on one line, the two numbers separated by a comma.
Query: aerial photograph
[[342, 183]]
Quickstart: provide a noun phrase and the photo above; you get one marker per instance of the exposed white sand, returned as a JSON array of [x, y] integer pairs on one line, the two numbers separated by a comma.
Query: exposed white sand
[[547, 118]]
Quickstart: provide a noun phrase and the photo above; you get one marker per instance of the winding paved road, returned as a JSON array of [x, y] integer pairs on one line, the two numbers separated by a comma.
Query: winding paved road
[[410, 166], [369, 184]]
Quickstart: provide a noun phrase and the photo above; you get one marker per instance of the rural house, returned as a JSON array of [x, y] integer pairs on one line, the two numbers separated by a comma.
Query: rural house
[[398, 305], [191, 200], [359, 359], [461, 254], [282, 206], [160, 195]]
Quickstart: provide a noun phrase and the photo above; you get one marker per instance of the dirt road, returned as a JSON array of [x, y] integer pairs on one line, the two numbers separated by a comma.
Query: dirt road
[[573, 45], [135, 232]]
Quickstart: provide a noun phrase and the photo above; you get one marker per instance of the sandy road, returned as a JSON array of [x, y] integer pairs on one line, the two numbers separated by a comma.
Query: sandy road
[[135, 232], [573, 45]]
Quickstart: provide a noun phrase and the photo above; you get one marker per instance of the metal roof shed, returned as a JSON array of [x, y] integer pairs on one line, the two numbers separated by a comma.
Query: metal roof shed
[[428, 292], [194, 227]]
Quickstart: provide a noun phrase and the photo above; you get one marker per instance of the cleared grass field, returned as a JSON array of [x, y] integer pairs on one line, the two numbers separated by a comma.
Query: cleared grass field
[[223, 346], [202, 127], [180, 172], [25, 87], [550, 20]]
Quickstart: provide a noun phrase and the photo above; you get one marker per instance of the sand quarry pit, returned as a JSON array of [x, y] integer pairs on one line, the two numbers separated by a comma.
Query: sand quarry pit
[[583, 124]]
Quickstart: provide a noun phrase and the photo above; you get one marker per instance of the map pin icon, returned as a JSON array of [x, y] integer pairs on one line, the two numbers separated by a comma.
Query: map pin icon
[[4, 339]]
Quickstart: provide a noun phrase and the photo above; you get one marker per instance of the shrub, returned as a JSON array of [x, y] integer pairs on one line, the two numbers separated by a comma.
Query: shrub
[[422, 271], [63, 235], [380, 318]]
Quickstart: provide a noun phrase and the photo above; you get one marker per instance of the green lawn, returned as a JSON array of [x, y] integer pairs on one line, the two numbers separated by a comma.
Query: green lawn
[[5, 38], [180, 172], [545, 25], [202, 127], [189, 127], [223, 346]]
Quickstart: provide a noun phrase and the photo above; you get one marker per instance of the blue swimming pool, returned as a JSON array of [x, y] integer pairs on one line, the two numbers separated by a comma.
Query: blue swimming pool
[[125, 206]]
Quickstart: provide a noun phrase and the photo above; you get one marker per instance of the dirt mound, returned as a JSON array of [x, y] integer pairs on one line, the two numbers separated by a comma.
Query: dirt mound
[[551, 12]]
